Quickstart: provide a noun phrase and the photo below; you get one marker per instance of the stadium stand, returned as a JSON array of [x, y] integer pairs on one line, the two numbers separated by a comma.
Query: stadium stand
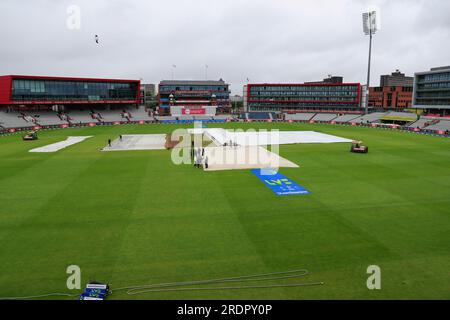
[[299, 116], [421, 123], [111, 115], [442, 125], [140, 114], [24, 120], [48, 118], [345, 118], [80, 117], [371, 117], [324, 117], [16, 120]]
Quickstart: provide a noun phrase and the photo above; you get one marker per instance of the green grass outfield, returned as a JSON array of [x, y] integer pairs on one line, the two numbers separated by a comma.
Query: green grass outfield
[[133, 217]]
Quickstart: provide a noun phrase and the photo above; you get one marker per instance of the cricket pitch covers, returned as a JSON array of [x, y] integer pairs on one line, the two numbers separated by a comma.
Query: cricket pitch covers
[[138, 142]]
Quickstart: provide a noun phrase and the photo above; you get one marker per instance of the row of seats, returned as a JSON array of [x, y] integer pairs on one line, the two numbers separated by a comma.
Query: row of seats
[[371, 117], [193, 118], [421, 123], [443, 125], [345, 118], [48, 118], [15, 120], [313, 116], [299, 116], [44, 118], [324, 117]]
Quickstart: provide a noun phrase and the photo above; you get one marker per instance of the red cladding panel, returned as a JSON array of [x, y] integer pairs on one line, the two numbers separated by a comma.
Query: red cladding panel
[[138, 92], [5, 89]]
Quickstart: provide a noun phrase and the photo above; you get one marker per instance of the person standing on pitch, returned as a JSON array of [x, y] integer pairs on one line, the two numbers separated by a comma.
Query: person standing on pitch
[[109, 142], [120, 137], [199, 160]]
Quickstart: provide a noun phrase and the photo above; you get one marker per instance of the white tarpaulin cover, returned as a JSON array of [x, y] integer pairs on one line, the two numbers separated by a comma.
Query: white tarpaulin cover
[[60, 145], [258, 138], [248, 157], [138, 142]]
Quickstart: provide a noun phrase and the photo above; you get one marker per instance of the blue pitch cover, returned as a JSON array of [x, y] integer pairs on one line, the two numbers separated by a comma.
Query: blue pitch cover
[[278, 183]]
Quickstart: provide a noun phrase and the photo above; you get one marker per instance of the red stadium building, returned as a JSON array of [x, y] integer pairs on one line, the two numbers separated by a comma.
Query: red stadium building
[[43, 93], [317, 97]]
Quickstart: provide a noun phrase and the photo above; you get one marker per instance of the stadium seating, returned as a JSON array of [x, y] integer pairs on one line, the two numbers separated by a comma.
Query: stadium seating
[[16, 120], [111, 115], [345, 118], [324, 117], [48, 118], [441, 125], [80, 116], [421, 123], [371, 117], [299, 116], [12, 119], [139, 114]]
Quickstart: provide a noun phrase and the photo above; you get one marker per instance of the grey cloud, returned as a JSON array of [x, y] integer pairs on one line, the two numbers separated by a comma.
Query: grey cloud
[[264, 40]]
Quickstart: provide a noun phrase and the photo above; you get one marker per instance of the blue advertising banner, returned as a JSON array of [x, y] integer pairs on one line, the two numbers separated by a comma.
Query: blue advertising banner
[[278, 183]]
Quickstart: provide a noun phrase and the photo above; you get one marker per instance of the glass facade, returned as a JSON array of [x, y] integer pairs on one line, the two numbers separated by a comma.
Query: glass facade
[[221, 91], [61, 90], [433, 89], [443, 76], [194, 93], [276, 97]]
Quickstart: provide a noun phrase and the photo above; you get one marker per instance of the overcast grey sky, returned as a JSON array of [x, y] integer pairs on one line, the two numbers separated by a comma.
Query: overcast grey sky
[[263, 40]]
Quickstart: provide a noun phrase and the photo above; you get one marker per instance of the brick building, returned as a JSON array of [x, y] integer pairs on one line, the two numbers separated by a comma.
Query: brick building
[[394, 93], [390, 97]]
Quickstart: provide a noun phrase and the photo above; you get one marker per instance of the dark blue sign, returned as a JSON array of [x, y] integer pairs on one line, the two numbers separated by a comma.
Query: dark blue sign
[[278, 183]]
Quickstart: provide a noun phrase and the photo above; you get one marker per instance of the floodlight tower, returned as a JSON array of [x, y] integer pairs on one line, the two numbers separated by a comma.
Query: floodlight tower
[[369, 28]]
